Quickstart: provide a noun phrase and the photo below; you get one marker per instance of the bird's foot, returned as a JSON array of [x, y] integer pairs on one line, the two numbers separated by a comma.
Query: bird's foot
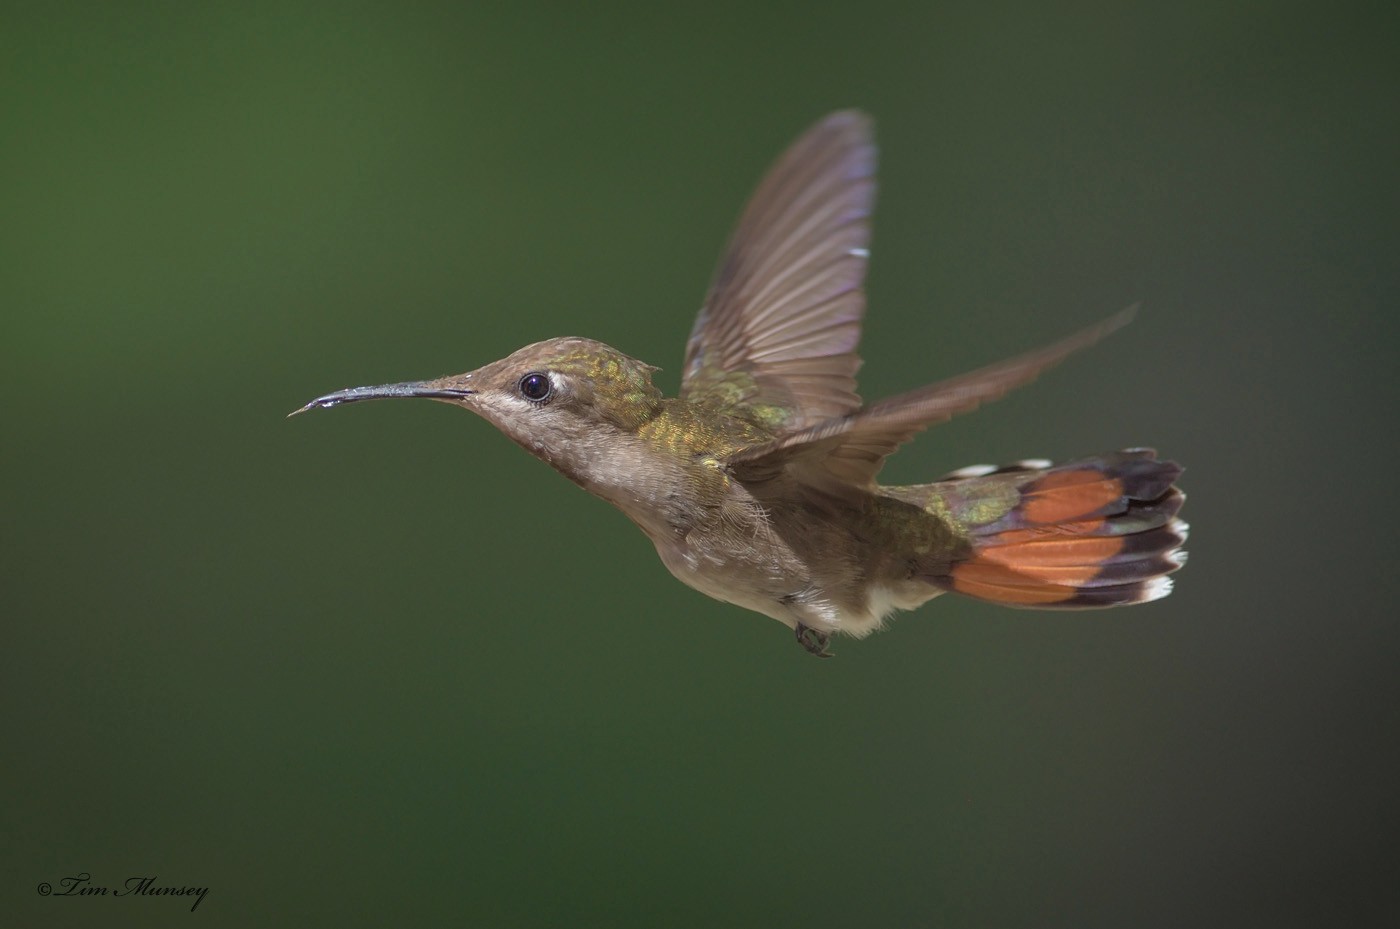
[[815, 641]]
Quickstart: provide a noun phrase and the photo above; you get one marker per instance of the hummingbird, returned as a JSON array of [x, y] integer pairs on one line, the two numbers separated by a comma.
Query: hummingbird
[[757, 483]]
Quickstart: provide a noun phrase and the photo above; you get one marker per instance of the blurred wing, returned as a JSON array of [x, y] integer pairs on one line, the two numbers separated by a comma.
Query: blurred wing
[[851, 449], [777, 336]]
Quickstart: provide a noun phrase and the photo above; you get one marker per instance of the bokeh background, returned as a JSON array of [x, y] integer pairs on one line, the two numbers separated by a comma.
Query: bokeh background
[[376, 666]]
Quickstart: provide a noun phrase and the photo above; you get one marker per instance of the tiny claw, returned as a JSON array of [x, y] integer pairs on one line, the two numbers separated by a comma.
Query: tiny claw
[[814, 641]]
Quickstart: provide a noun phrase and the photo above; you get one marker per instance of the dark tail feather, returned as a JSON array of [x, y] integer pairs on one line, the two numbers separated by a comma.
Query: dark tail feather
[[1096, 532]]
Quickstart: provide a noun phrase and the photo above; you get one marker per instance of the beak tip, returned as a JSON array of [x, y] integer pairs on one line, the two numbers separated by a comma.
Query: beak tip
[[318, 402]]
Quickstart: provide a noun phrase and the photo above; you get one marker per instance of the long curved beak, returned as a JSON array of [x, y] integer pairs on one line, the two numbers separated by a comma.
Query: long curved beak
[[431, 390]]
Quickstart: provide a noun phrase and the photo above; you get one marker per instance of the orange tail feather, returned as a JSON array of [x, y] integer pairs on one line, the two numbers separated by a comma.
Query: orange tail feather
[[1097, 532]]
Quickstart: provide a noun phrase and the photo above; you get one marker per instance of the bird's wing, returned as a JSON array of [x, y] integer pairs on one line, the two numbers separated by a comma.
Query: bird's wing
[[776, 338], [849, 450]]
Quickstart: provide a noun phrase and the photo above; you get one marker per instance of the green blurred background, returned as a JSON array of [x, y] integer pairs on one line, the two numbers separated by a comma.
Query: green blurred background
[[377, 666]]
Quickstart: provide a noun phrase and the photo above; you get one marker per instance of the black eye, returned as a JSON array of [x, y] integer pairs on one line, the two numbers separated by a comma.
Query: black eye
[[535, 387]]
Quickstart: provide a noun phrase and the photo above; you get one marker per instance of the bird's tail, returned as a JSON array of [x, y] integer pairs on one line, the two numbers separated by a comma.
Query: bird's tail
[[1096, 532]]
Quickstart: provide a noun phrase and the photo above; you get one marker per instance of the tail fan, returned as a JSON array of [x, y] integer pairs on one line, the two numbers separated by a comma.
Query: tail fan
[[1097, 532]]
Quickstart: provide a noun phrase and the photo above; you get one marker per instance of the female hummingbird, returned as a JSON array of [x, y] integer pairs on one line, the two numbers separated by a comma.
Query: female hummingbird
[[757, 484]]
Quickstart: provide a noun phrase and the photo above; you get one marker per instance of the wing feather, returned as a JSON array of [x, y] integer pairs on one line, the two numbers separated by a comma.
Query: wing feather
[[851, 449], [780, 326]]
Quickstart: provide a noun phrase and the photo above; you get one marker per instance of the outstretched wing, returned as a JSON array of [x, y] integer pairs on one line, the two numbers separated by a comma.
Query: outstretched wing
[[777, 336], [850, 450]]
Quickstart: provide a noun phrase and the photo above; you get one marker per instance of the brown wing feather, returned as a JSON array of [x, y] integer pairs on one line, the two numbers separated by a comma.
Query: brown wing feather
[[779, 329], [851, 449]]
